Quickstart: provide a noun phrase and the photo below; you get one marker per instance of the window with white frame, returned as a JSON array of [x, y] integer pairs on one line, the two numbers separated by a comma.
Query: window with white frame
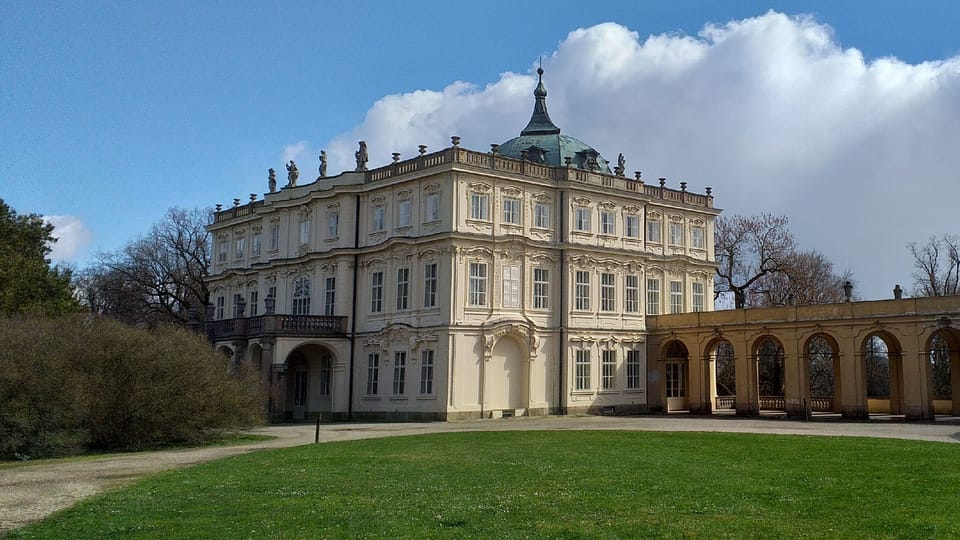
[[633, 370], [631, 296], [582, 290], [403, 288], [236, 304], [654, 226], [676, 234], [255, 245], [426, 372], [608, 370], [511, 286], [676, 297], [608, 222], [582, 218], [541, 215], [582, 372], [478, 284], [304, 230], [376, 292], [697, 289], [300, 388], [480, 206], [653, 296], [222, 254], [541, 288], [632, 226], [608, 292], [697, 238], [404, 213], [433, 207], [399, 372], [221, 302], [373, 374], [333, 224], [329, 295], [301, 296], [254, 303], [239, 253], [377, 222], [274, 236], [511, 210], [325, 375], [430, 285]]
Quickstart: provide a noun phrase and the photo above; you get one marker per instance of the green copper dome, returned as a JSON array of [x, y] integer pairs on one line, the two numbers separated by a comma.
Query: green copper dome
[[543, 142]]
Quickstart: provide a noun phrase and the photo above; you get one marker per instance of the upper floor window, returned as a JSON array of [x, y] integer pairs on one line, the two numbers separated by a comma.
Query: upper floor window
[[430, 285], [541, 288], [221, 302], [305, 230], [403, 288], [404, 213], [607, 223], [274, 236], [376, 292], [653, 231], [511, 286], [697, 238], [222, 253], [333, 224], [378, 217], [653, 296], [241, 247], [631, 301], [676, 234], [632, 222], [676, 297], [608, 292], [582, 290], [478, 284], [541, 215], [301, 296], [582, 218], [480, 206], [511, 210], [329, 295], [697, 289], [433, 207], [255, 245], [254, 303]]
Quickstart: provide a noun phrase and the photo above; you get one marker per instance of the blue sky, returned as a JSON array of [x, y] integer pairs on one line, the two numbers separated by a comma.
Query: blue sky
[[112, 112]]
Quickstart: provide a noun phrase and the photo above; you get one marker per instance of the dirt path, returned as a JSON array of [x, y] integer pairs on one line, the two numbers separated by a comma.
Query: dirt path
[[32, 491]]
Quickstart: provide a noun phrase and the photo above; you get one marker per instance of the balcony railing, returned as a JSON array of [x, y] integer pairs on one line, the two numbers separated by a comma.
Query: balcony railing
[[277, 325], [817, 404]]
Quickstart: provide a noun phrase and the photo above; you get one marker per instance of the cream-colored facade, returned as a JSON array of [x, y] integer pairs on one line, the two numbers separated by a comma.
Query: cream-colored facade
[[458, 284]]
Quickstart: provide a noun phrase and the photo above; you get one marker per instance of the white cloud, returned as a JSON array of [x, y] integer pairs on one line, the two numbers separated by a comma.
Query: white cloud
[[73, 238], [770, 111], [295, 151]]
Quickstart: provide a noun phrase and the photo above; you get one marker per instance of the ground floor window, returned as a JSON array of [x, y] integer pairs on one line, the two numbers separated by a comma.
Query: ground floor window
[[300, 389], [373, 374], [399, 372], [608, 379], [675, 386], [633, 370], [426, 372], [583, 370], [325, 376]]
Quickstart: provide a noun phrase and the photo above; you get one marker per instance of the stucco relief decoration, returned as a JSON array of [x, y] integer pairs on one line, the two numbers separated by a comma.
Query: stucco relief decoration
[[634, 340], [372, 261], [676, 219], [511, 191], [256, 229], [275, 220], [541, 197], [609, 343], [697, 222], [631, 209], [479, 187], [521, 332], [328, 268], [580, 201], [431, 188], [478, 253], [333, 207], [403, 194], [654, 215], [270, 279], [542, 257], [378, 199], [305, 211], [608, 205], [304, 269], [944, 322]]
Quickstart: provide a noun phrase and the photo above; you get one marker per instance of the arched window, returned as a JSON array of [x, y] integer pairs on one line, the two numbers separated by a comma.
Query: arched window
[[301, 296]]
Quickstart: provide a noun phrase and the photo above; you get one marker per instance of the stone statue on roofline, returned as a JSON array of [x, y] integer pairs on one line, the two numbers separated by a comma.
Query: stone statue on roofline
[[323, 164], [272, 180], [621, 165], [362, 156], [292, 174]]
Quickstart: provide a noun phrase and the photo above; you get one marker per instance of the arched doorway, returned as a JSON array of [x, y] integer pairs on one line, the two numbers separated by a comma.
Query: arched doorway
[[770, 373], [883, 370], [505, 388], [676, 379], [943, 355], [309, 383], [823, 374], [721, 356]]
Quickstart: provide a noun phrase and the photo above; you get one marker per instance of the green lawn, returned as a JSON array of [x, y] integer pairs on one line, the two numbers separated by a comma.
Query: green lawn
[[553, 484]]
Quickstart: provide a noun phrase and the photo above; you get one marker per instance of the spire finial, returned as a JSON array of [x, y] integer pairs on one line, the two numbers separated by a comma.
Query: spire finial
[[540, 123]]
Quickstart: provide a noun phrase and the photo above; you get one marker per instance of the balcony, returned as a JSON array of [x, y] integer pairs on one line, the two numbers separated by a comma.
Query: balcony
[[277, 326]]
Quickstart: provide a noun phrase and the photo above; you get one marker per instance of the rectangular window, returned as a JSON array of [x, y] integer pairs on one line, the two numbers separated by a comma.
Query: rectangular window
[[301, 296], [511, 210], [478, 284], [222, 254], [376, 292], [676, 234], [511, 286], [254, 303], [403, 288], [300, 388], [255, 245], [274, 236], [582, 375], [582, 290], [632, 226], [608, 292], [480, 206], [329, 295], [426, 373], [541, 215], [541, 288], [697, 238], [236, 304], [399, 372], [653, 297], [241, 245], [221, 302], [433, 207], [305, 231], [333, 224], [430, 285], [373, 374], [631, 302], [633, 370], [697, 287], [676, 297], [378, 216], [653, 231], [582, 219], [272, 292], [404, 213], [607, 222], [608, 370], [325, 373]]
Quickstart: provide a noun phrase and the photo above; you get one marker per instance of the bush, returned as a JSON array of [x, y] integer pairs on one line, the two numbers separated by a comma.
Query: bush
[[79, 383]]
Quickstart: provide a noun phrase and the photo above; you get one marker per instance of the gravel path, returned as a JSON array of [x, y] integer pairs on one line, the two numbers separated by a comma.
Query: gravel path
[[32, 491]]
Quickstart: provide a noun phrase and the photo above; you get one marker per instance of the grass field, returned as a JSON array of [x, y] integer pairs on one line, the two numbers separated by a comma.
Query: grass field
[[553, 484]]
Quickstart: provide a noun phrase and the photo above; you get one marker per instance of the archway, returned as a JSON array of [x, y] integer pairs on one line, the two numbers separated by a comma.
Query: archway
[[770, 373], [309, 382], [943, 355], [721, 356], [676, 380], [822, 374], [505, 388], [883, 370]]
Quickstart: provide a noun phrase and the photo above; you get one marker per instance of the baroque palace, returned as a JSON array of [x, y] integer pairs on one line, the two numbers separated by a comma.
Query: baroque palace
[[531, 279]]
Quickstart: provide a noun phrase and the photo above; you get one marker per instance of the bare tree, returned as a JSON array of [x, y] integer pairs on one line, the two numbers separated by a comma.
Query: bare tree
[[156, 277], [748, 249], [807, 277], [936, 266]]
